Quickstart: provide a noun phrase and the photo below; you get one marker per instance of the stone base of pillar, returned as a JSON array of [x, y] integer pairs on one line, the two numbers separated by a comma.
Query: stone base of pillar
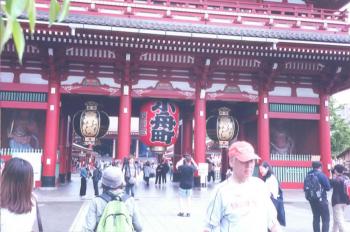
[[62, 178], [48, 181]]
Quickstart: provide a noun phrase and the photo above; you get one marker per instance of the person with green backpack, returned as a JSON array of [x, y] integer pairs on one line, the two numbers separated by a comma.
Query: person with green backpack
[[113, 210]]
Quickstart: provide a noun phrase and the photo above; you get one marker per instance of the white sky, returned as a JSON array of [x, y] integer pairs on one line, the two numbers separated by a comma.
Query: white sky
[[342, 97]]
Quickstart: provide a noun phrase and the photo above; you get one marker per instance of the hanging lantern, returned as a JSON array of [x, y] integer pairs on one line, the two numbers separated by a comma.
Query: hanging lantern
[[91, 124], [159, 124], [222, 127]]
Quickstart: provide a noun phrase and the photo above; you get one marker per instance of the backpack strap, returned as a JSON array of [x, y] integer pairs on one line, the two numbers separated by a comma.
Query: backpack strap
[[107, 196], [124, 197]]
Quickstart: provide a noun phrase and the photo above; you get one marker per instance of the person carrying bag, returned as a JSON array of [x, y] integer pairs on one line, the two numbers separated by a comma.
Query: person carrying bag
[[275, 190]]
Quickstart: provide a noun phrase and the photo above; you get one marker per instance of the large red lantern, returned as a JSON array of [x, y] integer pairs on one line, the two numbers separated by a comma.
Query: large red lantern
[[159, 124]]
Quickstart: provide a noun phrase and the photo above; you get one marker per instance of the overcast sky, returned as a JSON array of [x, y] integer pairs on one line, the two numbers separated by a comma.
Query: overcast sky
[[343, 97]]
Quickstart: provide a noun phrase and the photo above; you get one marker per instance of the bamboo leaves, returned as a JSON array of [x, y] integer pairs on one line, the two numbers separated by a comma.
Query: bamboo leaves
[[54, 11], [18, 38], [31, 11], [10, 25]]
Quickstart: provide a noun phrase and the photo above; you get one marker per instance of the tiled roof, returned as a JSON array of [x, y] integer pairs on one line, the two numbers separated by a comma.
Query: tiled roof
[[206, 29]]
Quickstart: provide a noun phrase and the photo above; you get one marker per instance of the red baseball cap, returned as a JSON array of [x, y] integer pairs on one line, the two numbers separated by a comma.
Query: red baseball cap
[[243, 151]]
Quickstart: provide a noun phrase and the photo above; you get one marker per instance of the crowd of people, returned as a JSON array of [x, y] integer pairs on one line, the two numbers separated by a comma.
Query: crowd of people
[[233, 206]]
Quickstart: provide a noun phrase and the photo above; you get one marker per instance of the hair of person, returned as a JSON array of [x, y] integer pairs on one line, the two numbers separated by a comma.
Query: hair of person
[[269, 169], [16, 186], [316, 164], [188, 159], [339, 168]]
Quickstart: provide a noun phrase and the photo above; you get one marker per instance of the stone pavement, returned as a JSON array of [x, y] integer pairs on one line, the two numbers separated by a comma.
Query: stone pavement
[[159, 205]]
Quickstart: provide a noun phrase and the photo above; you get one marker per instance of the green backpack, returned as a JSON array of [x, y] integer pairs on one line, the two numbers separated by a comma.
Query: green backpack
[[115, 216]]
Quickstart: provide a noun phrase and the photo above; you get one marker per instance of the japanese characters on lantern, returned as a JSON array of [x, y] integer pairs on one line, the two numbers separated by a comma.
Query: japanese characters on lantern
[[159, 124]]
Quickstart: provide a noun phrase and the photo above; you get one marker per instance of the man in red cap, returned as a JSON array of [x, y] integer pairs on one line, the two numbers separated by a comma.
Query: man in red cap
[[242, 202]]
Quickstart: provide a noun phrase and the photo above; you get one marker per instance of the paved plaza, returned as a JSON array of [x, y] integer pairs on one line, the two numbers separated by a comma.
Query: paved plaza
[[63, 210]]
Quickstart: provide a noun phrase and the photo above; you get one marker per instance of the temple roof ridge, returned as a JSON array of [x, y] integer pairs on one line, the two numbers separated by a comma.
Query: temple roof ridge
[[80, 21]]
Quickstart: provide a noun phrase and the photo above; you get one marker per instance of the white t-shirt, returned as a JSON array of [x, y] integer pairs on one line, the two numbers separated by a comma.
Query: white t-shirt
[[241, 207], [11, 222], [272, 185]]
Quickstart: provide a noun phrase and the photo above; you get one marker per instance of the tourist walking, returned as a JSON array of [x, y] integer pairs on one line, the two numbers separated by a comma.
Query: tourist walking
[[211, 168], [186, 168], [83, 178], [18, 205], [113, 188], [316, 185], [241, 203], [159, 173], [276, 193], [339, 198], [171, 171], [147, 170], [130, 175], [96, 177], [164, 171]]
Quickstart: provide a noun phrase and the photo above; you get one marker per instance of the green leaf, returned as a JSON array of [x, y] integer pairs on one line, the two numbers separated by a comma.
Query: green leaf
[[54, 10], [4, 37], [31, 10], [65, 10], [15, 7], [8, 5], [18, 38], [2, 28], [340, 129]]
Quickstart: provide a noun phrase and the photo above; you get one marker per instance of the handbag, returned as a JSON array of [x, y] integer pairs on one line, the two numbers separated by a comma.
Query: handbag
[[132, 180]]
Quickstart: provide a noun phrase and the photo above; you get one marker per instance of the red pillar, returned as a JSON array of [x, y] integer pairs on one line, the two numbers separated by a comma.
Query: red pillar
[[187, 133], [62, 148], [199, 127], [263, 126], [124, 120], [51, 135], [324, 134]]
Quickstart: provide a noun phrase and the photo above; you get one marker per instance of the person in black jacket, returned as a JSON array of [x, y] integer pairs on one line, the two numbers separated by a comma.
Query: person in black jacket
[[319, 207], [164, 171], [186, 168], [96, 177], [159, 173], [339, 198]]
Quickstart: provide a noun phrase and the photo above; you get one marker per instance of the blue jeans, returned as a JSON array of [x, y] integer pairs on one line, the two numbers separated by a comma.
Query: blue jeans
[[320, 210], [130, 189]]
